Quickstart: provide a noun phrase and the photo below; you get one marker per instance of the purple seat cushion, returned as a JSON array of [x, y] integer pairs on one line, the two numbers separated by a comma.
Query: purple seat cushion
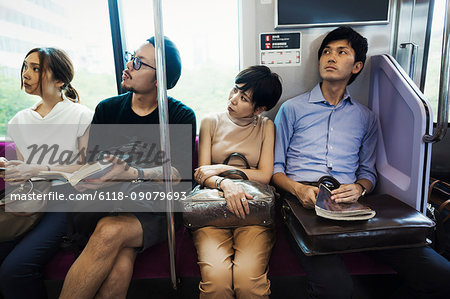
[[154, 262]]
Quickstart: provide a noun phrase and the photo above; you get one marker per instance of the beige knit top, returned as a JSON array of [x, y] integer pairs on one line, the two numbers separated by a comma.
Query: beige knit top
[[230, 135]]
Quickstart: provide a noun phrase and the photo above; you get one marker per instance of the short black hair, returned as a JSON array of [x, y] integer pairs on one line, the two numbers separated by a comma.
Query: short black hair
[[356, 41], [265, 85]]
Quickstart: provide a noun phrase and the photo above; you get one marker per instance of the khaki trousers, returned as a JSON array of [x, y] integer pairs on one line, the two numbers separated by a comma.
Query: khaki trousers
[[234, 262]]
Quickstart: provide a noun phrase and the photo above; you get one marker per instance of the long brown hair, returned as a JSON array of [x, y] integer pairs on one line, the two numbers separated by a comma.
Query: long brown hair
[[59, 63]]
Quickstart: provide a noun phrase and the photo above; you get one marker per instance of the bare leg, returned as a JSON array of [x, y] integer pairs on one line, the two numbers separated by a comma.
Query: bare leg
[[117, 282], [95, 263]]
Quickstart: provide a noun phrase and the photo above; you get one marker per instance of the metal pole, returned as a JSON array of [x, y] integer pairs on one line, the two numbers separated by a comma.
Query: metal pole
[[442, 119], [118, 40], [164, 130], [412, 58]]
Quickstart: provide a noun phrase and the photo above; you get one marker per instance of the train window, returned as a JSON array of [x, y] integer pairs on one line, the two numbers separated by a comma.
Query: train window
[[434, 56], [81, 28], [206, 33]]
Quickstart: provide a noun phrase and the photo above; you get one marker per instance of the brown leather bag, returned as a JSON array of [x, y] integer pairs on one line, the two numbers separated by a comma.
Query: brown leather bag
[[207, 207], [17, 217], [395, 225]]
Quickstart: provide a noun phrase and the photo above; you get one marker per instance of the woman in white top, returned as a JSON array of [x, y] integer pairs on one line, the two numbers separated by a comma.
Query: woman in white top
[[59, 122]]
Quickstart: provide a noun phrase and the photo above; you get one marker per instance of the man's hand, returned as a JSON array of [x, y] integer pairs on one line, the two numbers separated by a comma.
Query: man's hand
[[306, 194], [347, 193], [119, 172], [236, 198]]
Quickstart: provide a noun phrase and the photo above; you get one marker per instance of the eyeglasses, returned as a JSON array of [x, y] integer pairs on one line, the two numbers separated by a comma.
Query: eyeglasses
[[137, 62]]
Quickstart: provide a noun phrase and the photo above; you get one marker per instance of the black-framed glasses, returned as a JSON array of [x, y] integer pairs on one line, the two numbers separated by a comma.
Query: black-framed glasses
[[137, 62]]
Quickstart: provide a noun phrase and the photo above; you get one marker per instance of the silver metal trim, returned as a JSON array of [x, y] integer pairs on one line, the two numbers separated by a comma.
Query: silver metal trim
[[442, 118], [164, 131], [394, 28], [426, 49], [412, 59]]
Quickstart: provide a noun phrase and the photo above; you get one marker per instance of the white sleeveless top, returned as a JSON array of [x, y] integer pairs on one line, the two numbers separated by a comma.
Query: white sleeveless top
[[59, 130]]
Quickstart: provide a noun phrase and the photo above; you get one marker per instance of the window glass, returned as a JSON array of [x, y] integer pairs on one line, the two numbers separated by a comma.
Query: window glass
[[206, 34], [434, 57], [81, 28]]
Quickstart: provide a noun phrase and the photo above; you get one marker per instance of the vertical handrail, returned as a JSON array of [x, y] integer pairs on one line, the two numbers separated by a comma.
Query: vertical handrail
[[164, 130], [412, 59], [442, 119], [118, 41]]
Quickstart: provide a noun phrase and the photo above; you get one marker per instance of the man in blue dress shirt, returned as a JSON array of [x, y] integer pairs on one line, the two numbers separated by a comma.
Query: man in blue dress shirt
[[327, 132]]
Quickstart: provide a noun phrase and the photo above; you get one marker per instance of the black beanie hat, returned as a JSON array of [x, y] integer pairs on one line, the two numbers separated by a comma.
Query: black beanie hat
[[173, 61]]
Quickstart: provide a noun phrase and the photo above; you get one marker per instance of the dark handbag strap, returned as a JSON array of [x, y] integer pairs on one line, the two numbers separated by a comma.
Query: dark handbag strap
[[32, 188], [442, 205], [232, 173], [238, 155], [329, 181]]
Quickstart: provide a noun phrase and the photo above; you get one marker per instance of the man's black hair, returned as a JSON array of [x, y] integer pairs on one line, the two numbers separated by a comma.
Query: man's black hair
[[356, 41], [264, 84]]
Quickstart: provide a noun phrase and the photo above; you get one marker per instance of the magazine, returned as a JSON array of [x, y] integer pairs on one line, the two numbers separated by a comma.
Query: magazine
[[327, 208], [86, 172]]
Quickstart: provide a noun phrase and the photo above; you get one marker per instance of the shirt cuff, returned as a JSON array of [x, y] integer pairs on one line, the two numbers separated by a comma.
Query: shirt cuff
[[278, 168], [372, 179]]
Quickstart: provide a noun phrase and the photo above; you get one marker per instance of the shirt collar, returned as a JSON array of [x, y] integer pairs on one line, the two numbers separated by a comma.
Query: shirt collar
[[316, 95]]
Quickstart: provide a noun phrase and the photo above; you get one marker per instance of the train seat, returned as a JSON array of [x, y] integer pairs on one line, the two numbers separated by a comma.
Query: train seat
[[154, 262]]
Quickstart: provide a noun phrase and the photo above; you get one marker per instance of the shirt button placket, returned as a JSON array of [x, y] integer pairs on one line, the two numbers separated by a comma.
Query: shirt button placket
[[330, 147]]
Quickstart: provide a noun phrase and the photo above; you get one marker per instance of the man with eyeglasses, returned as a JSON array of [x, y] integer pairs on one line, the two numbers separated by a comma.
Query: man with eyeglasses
[[105, 267]]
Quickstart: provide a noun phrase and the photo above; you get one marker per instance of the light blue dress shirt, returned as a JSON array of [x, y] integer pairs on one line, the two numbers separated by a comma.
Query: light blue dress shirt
[[315, 138]]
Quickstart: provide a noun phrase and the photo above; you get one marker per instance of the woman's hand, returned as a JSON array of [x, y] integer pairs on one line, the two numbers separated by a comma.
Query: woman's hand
[[3, 162], [236, 198], [20, 171], [206, 171]]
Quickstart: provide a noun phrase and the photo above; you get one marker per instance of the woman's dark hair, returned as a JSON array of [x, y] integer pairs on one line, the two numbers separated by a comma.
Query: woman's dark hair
[[59, 63], [264, 84], [356, 41]]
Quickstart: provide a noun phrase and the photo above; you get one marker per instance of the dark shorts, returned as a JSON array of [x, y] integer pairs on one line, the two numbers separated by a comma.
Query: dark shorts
[[154, 227]]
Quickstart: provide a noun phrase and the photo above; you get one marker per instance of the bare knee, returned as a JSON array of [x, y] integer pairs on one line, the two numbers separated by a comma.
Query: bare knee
[[108, 235]]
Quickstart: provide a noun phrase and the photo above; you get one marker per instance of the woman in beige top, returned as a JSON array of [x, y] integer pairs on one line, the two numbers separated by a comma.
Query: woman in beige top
[[233, 262]]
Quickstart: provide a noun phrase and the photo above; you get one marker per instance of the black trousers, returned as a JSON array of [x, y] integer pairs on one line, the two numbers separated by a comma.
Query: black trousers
[[423, 273]]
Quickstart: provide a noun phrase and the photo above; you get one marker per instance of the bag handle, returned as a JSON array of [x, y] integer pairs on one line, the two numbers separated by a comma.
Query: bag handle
[[233, 172], [4, 203], [329, 181], [238, 155], [445, 203]]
